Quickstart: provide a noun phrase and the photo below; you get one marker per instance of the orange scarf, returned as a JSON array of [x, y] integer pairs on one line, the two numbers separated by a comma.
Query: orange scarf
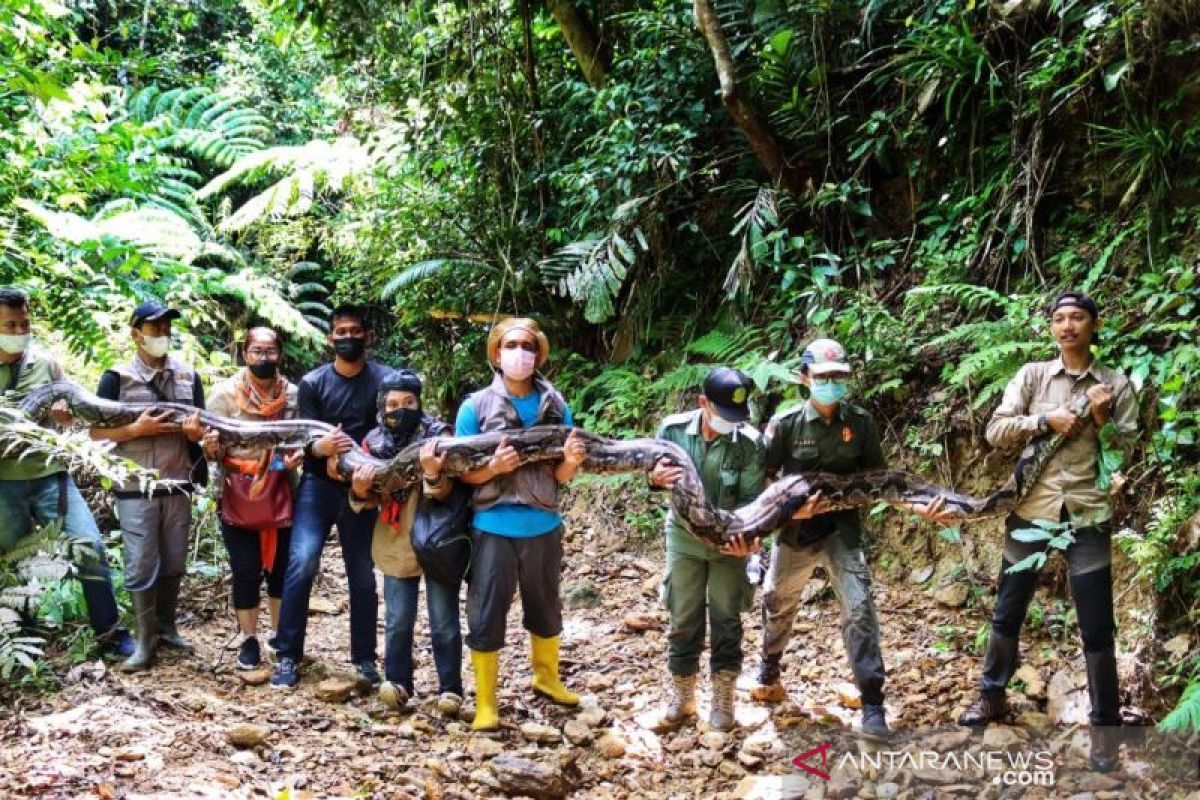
[[250, 400], [390, 511]]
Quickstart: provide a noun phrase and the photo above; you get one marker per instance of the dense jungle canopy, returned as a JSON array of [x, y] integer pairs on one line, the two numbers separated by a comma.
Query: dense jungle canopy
[[666, 185]]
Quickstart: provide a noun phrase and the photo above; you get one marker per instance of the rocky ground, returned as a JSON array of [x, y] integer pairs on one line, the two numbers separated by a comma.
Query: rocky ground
[[194, 727]]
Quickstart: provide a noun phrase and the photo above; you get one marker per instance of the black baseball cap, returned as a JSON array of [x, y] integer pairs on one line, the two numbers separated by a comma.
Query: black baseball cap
[[1078, 300], [151, 311], [728, 390]]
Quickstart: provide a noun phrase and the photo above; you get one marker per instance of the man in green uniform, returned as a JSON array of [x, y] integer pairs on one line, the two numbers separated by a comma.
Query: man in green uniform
[[825, 434], [729, 455], [35, 490]]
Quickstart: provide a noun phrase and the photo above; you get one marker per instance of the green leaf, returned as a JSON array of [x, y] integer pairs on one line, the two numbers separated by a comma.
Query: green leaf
[[1031, 535], [1033, 562]]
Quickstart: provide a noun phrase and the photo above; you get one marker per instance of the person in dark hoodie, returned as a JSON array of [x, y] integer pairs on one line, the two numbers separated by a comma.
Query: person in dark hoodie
[[403, 422]]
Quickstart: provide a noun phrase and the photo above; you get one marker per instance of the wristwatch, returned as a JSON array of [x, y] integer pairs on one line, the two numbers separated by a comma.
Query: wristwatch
[[1042, 424]]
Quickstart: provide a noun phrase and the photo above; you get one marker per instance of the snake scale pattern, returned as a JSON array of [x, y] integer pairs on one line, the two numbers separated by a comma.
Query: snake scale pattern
[[605, 456]]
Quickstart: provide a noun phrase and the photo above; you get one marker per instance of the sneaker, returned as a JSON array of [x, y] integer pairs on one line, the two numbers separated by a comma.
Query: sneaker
[[393, 695], [286, 674], [368, 674], [249, 654], [874, 722], [119, 644], [449, 703]]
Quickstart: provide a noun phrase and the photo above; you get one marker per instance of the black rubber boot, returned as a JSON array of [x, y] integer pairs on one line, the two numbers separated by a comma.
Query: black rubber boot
[[168, 603], [146, 626], [1104, 692]]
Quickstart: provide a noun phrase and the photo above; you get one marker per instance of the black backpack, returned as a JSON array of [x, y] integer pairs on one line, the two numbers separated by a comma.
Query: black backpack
[[441, 535]]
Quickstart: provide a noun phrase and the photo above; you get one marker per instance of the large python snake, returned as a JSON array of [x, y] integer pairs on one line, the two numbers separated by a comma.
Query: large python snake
[[713, 525]]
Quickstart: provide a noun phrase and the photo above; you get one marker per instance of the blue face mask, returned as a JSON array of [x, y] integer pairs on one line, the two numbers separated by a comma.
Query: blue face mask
[[829, 392]]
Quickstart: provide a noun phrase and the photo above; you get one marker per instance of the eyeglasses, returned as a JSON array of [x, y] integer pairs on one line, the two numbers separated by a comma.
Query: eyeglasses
[[257, 353], [831, 378]]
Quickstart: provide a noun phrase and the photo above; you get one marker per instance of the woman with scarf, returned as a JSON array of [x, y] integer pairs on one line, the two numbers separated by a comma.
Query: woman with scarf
[[401, 423], [255, 508]]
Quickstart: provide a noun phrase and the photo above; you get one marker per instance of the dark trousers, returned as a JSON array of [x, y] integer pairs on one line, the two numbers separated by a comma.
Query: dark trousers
[[441, 600], [1089, 569], [501, 564], [245, 562], [319, 504], [45, 501]]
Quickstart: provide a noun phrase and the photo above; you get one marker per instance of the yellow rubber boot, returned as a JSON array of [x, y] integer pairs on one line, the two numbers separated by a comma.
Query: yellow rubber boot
[[545, 671], [487, 712]]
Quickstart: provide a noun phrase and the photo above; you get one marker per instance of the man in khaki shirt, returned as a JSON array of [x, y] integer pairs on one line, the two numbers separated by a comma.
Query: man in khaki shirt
[[1036, 403]]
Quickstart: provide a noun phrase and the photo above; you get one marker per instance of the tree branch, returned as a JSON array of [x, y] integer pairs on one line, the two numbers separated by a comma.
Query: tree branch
[[584, 41], [747, 116]]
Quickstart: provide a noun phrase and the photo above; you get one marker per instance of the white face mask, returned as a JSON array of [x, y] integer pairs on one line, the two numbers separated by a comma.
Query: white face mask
[[517, 364], [14, 344], [156, 346], [721, 425]]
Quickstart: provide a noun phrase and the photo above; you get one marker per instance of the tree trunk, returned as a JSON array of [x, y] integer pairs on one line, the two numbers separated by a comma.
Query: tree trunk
[[747, 116], [583, 40]]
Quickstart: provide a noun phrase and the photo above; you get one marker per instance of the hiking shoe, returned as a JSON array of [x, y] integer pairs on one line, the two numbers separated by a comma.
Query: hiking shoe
[[368, 675], [286, 675], [249, 654], [769, 688], [449, 703], [119, 644], [989, 706], [874, 722], [393, 695]]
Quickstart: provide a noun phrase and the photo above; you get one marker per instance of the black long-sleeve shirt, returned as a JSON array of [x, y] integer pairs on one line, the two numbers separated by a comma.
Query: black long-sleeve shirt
[[329, 396]]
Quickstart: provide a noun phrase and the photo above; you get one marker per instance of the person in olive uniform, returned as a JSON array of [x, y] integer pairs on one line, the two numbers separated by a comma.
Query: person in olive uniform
[[825, 434], [702, 581]]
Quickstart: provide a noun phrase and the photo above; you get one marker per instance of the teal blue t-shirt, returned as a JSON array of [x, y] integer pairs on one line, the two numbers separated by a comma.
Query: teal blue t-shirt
[[515, 520]]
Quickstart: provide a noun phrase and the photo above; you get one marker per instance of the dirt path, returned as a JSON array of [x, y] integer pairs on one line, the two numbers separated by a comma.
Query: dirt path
[[164, 733]]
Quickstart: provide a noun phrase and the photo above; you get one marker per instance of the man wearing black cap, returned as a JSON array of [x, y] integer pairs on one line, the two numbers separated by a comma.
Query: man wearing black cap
[[154, 528], [1036, 403], [729, 456]]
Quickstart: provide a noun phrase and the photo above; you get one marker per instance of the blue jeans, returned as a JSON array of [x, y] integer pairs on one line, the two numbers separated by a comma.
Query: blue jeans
[[400, 596], [24, 502], [319, 504]]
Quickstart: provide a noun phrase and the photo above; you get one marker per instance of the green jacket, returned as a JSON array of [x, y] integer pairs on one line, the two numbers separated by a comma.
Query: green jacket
[[731, 470], [35, 368], [799, 440]]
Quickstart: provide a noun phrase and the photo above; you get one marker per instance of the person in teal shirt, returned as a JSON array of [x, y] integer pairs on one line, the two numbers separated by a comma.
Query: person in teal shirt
[[517, 528]]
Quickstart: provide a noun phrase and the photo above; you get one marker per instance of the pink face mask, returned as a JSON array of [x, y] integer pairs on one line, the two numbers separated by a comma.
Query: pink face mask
[[516, 363]]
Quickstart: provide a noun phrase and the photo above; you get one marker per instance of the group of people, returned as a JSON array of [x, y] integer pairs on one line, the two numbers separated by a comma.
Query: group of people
[[277, 510]]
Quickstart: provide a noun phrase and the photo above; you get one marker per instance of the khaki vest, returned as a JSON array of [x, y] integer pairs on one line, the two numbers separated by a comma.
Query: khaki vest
[[167, 453], [533, 484]]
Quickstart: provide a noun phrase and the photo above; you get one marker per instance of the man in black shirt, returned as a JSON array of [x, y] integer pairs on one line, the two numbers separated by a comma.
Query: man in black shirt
[[342, 393]]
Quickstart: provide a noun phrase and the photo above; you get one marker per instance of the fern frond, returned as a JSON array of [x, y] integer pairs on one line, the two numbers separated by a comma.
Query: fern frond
[[999, 359], [415, 273], [1185, 717]]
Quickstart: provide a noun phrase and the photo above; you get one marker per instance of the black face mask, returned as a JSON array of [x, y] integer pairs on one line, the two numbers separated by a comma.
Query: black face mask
[[350, 348], [264, 369], [402, 421]]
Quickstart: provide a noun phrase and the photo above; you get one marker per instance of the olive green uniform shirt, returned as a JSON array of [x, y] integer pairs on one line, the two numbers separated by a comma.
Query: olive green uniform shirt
[[800, 440], [37, 368], [731, 471]]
